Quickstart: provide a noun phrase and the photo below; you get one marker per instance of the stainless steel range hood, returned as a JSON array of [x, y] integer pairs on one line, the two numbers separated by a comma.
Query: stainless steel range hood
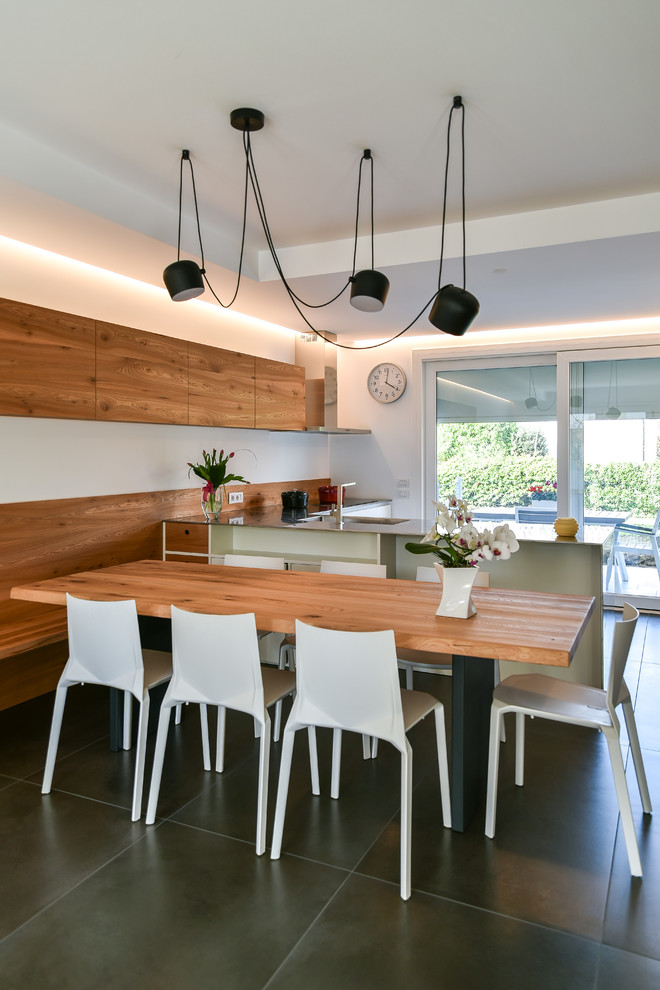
[[319, 360]]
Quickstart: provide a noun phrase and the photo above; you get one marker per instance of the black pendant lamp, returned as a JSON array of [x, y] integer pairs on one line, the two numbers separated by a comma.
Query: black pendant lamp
[[369, 288], [183, 279], [454, 308]]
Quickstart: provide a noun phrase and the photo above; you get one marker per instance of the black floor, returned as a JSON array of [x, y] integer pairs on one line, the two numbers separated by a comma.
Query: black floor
[[89, 899]]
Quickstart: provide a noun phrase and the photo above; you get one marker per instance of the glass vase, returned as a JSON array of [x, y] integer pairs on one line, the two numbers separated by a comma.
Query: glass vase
[[212, 502], [457, 582]]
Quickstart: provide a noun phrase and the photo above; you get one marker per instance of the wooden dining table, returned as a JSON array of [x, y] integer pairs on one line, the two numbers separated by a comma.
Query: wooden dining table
[[525, 626]]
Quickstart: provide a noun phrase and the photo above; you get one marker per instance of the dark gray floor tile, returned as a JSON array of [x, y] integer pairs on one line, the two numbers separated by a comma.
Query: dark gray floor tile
[[24, 729], [369, 937], [549, 862], [51, 843], [182, 908], [624, 971], [633, 907], [647, 706]]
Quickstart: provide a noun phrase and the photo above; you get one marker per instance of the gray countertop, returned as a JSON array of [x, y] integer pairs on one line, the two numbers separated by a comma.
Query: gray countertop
[[414, 528]]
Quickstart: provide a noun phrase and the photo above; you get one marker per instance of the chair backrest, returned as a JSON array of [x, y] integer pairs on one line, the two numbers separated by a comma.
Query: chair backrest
[[348, 680], [482, 580], [104, 644], [524, 515], [252, 560], [215, 659], [623, 634], [353, 568]]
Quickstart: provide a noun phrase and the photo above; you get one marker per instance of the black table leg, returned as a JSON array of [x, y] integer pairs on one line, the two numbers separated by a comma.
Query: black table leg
[[116, 719], [473, 680]]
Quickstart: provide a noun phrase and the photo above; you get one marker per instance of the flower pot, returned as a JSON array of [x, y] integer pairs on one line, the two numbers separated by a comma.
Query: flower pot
[[457, 582], [212, 502]]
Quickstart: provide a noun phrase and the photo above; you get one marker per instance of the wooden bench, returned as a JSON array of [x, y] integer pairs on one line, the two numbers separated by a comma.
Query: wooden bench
[[80, 534]]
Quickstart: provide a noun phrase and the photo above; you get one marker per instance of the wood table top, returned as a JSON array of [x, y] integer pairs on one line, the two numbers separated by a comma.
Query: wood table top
[[525, 626]]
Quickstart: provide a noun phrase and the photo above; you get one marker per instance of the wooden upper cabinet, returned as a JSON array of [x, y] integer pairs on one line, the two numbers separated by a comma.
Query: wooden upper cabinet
[[46, 362], [140, 377], [221, 387], [280, 395]]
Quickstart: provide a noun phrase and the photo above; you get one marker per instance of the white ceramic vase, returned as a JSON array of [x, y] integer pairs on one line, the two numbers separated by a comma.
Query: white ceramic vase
[[457, 582]]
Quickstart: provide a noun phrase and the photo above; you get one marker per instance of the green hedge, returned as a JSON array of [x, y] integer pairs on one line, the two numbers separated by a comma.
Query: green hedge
[[505, 481]]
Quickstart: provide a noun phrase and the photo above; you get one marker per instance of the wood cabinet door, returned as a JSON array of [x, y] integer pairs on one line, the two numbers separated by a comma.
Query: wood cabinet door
[[140, 377], [46, 362], [221, 389], [280, 395]]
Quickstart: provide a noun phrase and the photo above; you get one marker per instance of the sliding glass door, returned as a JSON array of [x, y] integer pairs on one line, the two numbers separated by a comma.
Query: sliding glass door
[[614, 463], [495, 436]]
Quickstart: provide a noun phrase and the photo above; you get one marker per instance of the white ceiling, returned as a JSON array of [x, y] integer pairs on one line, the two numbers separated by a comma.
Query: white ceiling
[[97, 99]]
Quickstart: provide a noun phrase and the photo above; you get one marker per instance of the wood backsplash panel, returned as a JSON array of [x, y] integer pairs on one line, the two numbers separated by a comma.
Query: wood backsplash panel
[[221, 387], [46, 362], [141, 377], [280, 395], [78, 534]]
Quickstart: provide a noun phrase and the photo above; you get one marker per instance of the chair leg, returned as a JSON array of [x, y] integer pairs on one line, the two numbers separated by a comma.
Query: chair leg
[[374, 747], [204, 728], [278, 721], [262, 787], [157, 769], [54, 738], [220, 740], [138, 782], [336, 761], [128, 713], [636, 751], [283, 788], [177, 714], [366, 746], [520, 748], [313, 759], [443, 765], [493, 770], [406, 807], [623, 797]]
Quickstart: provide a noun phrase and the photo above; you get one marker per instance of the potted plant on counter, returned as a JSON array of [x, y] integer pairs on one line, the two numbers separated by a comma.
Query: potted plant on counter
[[213, 470], [460, 548]]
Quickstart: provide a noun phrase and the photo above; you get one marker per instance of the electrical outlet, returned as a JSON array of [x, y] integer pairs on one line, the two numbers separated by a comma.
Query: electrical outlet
[[403, 493], [403, 483], [235, 497], [236, 521]]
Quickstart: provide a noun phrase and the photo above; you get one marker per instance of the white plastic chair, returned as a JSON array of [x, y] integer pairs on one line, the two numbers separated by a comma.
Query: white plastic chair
[[288, 648], [617, 559], [216, 662], [549, 697], [104, 648], [350, 681]]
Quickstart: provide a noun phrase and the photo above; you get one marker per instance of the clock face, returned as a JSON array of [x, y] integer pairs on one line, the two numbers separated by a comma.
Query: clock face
[[386, 382]]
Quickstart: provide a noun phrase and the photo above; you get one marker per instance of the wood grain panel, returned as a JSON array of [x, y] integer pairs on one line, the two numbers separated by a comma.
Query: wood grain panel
[[32, 673], [525, 626], [46, 362], [141, 377], [279, 395], [221, 387], [186, 538]]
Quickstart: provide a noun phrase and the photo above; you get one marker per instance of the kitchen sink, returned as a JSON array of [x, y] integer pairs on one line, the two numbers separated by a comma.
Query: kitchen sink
[[374, 520]]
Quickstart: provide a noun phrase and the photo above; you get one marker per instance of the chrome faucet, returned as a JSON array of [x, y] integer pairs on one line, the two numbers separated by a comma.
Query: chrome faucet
[[340, 500]]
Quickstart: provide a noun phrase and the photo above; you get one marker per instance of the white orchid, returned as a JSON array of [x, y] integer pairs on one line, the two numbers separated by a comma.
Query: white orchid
[[458, 543]]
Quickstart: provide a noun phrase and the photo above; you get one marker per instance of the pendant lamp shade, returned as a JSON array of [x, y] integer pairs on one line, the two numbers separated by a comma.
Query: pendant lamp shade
[[369, 290], [183, 280], [453, 310]]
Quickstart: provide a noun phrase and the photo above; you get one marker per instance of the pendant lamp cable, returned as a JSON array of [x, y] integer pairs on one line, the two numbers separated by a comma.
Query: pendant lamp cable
[[457, 105], [252, 180]]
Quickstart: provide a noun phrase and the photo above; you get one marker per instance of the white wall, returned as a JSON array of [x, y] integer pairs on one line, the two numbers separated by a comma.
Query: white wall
[[49, 459]]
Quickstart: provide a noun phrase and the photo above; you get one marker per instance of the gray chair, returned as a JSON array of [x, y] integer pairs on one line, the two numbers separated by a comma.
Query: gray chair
[[622, 543]]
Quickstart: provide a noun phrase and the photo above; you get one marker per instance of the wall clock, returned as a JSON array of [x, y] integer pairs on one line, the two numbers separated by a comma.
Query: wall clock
[[386, 382]]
